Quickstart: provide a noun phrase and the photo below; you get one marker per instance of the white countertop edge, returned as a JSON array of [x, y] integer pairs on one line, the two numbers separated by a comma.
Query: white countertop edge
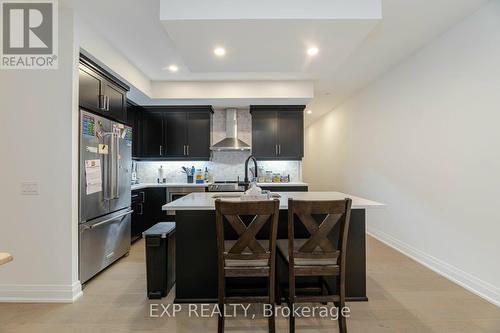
[[146, 185], [207, 203]]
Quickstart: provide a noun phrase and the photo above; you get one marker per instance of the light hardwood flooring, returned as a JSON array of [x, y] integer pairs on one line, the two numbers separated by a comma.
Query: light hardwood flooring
[[404, 297]]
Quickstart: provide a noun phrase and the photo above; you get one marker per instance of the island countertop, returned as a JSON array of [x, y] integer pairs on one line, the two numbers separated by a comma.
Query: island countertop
[[206, 200]]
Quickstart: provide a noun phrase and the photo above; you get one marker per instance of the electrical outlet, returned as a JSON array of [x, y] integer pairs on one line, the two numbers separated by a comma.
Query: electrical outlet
[[29, 188]]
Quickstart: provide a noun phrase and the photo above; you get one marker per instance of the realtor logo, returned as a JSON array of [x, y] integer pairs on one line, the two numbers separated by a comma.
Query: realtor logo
[[29, 39]]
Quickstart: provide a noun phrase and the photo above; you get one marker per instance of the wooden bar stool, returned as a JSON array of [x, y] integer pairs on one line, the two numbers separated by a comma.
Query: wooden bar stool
[[5, 258], [317, 255], [246, 256]]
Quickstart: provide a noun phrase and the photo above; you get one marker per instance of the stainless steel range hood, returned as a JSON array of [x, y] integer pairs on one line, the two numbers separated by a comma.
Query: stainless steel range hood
[[231, 141]]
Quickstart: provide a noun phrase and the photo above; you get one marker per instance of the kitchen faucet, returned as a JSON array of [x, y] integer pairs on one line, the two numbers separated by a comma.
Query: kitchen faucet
[[246, 168]]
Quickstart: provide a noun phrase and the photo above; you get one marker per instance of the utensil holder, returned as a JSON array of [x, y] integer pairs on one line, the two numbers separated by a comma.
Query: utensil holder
[[190, 179]]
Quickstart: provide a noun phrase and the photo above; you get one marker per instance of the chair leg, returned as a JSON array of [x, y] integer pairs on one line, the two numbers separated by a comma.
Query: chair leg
[[221, 303], [272, 320], [220, 323], [342, 319], [272, 297], [324, 290], [341, 304], [291, 297]]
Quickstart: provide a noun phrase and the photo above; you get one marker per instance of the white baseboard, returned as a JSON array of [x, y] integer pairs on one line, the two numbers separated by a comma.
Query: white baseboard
[[475, 285], [40, 293]]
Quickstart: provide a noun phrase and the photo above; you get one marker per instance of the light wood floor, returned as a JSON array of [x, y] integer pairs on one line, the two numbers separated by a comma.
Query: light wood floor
[[404, 297]]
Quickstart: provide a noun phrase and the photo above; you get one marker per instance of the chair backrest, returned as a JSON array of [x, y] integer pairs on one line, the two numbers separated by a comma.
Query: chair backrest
[[319, 218], [246, 247]]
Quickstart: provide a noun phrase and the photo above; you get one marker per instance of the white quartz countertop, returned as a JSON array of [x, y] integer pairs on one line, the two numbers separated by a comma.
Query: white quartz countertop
[[206, 201], [145, 185]]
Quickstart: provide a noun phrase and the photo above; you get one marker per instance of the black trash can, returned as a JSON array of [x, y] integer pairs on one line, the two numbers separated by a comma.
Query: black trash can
[[160, 259]]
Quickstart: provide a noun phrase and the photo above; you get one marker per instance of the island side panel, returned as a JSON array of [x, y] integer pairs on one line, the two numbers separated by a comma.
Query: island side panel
[[196, 257], [356, 257]]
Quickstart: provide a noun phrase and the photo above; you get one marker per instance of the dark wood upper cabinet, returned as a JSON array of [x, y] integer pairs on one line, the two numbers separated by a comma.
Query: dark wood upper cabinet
[[116, 102], [291, 135], [175, 134], [198, 134], [278, 132], [89, 89], [100, 92], [182, 132], [134, 120], [152, 138], [264, 132]]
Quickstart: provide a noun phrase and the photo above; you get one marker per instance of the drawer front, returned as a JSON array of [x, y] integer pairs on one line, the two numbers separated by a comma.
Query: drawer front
[[101, 245]]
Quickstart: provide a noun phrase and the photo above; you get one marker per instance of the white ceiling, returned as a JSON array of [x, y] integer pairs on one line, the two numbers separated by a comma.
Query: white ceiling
[[266, 9], [352, 52], [261, 47]]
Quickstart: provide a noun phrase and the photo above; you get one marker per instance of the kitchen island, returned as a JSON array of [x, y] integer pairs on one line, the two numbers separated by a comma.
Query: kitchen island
[[196, 247]]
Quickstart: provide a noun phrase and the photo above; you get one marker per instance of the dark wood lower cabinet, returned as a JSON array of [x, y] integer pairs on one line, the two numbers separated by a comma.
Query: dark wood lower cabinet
[[147, 209], [157, 197], [297, 188]]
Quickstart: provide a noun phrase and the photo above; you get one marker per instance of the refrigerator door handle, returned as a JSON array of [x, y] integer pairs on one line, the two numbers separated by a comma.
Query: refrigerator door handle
[[117, 166], [112, 167], [110, 219], [108, 195]]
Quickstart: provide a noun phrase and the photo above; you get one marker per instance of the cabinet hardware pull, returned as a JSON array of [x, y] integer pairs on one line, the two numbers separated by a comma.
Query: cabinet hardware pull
[[102, 102], [187, 150], [161, 150], [279, 149]]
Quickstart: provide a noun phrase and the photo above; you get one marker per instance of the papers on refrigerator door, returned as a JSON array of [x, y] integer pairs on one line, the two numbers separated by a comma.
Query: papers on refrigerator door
[[93, 176]]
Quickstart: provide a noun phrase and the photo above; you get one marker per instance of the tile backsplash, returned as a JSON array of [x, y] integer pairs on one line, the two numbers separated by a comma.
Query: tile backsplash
[[224, 165]]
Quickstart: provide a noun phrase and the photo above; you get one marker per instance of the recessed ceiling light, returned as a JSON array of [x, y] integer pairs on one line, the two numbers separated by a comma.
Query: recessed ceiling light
[[309, 111], [173, 68], [219, 51], [312, 51]]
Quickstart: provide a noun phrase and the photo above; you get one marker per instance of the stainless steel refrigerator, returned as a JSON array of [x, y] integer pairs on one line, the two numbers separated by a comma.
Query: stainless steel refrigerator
[[105, 178]]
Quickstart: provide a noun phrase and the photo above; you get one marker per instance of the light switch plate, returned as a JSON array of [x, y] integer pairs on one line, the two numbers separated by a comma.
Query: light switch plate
[[29, 188]]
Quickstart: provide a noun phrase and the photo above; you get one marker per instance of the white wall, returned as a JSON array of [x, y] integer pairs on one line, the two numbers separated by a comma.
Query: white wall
[[37, 143], [425, 139], [92, 41], [231, 93]]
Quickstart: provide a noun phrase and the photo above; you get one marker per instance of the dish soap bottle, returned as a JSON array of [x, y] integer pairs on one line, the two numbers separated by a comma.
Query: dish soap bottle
[[206, 175], [160, 175], [199, 177]]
